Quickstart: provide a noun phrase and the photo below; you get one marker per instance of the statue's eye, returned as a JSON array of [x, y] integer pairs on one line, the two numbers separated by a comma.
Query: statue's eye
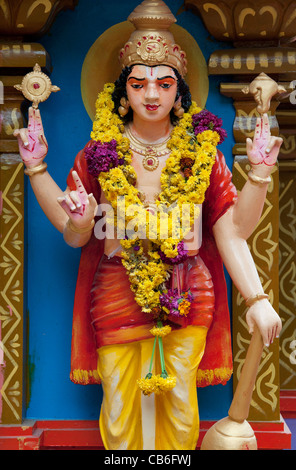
[[166, 85]]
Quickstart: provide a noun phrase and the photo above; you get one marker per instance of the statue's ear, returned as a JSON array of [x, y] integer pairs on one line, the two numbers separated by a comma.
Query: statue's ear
[[178, 101], [246, 90]]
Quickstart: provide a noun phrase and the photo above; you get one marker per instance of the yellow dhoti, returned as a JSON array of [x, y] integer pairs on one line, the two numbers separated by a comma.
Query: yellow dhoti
[[129, 420]]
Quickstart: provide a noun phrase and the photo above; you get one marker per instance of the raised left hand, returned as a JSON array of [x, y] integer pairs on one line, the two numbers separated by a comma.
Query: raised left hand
[[78, 205], [264, 149]]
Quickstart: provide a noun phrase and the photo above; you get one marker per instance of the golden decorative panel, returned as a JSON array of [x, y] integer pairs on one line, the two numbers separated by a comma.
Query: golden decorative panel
[[288, 274], [247, 20], [27, 17], [18, 19], [11, 283], [286, 116], [252, 61], [263, 245]]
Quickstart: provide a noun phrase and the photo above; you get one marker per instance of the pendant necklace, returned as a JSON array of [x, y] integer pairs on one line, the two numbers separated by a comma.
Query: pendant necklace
[[150, 152]]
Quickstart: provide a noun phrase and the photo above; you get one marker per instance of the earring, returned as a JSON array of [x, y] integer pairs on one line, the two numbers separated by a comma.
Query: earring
[[124, 108], [178, 110]]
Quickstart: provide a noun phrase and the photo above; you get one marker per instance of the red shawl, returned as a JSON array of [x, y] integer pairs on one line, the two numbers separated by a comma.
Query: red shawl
[[216, 365]]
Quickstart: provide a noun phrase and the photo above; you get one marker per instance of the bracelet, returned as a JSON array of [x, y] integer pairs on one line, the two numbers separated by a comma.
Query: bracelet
[[257, 180], [254, 298], [36, 169], [75, 229]]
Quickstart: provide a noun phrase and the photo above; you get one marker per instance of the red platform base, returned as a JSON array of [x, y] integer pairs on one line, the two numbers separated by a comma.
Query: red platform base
[[85, 435], [288, 403]]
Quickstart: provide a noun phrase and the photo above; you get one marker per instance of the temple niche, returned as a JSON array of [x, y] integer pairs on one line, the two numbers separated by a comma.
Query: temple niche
[[251, 38]]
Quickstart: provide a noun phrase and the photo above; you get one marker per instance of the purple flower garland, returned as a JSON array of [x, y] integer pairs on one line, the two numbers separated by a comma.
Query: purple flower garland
[[205, 120], [172, 301], [102, 157]]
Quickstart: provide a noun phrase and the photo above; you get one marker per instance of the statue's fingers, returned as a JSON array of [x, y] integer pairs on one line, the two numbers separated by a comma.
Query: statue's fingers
[[278, 328], [265, 126], [78, 183], [251, 325], [93, 203], [62, 202], [31, 122], [67, 204], [258, 128], [75, 198], [17, 134], [70, 203], [24, 137], [274, 332], [38, 121], [249, 144], [42, 140], [271, 336], [273, 149], [271, 144], [92, 199]]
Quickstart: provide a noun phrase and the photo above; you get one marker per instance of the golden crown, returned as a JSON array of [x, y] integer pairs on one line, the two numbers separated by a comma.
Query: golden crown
[[152, 43]]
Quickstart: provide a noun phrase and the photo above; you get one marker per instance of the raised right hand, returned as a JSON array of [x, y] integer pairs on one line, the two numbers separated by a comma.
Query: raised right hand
[[264, 149], [32, 142]]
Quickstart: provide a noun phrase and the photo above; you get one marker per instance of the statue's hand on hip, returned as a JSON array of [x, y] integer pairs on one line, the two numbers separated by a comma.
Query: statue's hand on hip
[[78, 205], [263, 150], [33, 146]]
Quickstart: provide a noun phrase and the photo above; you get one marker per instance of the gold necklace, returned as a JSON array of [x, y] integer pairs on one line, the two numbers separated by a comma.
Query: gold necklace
[[150, 152]]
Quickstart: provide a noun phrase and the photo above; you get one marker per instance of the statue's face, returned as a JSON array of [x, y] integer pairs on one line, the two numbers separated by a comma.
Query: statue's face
[[152, 91]]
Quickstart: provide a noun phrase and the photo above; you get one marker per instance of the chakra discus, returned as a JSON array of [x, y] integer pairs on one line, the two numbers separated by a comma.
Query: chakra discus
[[36, 86]]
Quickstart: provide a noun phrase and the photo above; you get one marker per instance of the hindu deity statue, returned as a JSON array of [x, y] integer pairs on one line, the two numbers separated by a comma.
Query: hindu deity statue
[[151, 204]]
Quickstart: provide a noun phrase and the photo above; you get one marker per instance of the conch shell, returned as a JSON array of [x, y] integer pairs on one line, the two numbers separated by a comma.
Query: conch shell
[[263, 88]]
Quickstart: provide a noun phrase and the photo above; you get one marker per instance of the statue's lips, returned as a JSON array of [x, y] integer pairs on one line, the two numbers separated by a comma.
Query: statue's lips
[[152, 107]]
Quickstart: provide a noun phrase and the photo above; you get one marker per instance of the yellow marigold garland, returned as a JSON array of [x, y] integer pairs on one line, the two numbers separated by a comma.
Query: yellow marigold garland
[[149, 273], [161, 331]]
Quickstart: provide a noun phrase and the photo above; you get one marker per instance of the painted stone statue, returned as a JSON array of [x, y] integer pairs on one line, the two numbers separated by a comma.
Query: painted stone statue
[[150, 201]]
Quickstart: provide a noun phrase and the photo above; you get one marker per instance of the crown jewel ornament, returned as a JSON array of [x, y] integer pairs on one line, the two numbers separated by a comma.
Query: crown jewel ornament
[[152, 43]]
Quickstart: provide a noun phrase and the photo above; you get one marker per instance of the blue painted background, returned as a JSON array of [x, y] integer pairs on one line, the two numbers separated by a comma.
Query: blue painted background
[[52, 265]]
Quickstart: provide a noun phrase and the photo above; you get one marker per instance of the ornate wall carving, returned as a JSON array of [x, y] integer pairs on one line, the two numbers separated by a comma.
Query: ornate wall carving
[[30, 17], [262, 33], [18, 19], [241, 20], [11, 283], [287, 274]]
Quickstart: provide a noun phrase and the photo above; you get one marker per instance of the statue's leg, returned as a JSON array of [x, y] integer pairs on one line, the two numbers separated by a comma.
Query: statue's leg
[[177, 416], [119, 367]]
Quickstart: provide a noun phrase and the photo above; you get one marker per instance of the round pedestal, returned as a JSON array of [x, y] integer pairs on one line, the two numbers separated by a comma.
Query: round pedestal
[[227, 434]]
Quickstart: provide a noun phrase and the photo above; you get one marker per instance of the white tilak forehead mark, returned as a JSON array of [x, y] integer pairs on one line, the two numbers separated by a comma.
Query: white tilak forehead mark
[[151, 72]]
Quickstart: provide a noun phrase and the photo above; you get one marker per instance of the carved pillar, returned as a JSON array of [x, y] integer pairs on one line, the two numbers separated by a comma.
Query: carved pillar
[[262, 34], [18, 19], [286, 116]]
